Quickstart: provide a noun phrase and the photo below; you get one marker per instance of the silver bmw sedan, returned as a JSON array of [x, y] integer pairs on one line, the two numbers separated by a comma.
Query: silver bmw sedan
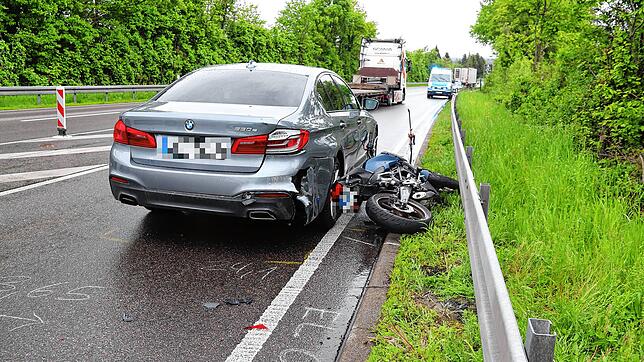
[[258, 141]]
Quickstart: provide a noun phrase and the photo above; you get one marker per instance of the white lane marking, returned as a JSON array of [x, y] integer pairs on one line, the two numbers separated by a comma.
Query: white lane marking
[[253, 341], [66, 151], [91, 132], [59, 138], [35, 175], [403, 145], [72, 116], [48, 182]]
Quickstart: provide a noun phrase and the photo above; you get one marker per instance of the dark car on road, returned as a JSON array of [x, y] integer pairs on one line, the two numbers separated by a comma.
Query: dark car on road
[[257, 141]]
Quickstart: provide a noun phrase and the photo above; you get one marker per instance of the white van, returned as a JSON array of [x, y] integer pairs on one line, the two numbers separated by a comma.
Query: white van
[[440, 83]]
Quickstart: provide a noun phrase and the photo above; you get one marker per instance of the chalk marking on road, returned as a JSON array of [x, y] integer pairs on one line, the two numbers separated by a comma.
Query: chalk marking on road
[[254, 340], [390, 243], [284, 262], [48, 182], [358, 241], [35, 175], [72, 116], [65, 151]]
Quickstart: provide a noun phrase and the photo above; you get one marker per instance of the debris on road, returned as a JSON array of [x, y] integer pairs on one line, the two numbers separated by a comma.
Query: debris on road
[[238, 301], [127, 318], [211, 305], [257, 326]]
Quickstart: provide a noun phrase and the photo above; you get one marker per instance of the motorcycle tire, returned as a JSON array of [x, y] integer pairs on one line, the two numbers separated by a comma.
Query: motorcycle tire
[[382, 214], [442, 182]]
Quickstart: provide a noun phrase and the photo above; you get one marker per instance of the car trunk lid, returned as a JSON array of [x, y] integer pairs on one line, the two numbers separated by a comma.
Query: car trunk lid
[[207, 145]]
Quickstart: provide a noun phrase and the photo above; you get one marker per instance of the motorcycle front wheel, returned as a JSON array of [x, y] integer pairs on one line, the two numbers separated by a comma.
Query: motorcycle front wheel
[[382, 209]]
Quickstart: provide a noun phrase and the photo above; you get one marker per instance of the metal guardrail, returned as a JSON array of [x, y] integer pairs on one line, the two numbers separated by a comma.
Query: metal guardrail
[[106, 89], [500, 337]]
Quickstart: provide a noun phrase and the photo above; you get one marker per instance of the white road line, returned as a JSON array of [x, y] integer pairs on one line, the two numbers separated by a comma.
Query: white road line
[[48, 182], [72, 116], [253, 341], [403, 147], [35, 175], [91, 132], [59, 138], [66, 151]]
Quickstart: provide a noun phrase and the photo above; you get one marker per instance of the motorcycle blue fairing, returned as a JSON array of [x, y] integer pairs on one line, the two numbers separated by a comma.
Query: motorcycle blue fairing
[[384, 160]]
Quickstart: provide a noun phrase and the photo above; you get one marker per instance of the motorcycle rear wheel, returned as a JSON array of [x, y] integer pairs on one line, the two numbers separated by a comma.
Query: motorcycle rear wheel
[[380, 208]]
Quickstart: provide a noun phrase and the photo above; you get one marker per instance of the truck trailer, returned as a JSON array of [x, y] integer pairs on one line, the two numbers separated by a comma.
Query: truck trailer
[[383, 71], [467, 76]]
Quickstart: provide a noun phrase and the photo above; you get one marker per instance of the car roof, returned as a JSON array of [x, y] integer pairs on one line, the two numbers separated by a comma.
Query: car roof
[[286, 68]]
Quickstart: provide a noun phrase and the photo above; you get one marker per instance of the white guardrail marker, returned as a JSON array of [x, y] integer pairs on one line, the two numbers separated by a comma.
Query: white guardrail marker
[[61, 117]]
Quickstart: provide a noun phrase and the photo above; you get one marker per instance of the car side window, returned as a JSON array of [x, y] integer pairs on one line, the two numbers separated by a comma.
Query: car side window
[[331, 97], [348, 98]]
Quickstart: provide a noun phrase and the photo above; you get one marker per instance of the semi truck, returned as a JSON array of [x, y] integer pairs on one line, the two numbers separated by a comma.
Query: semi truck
[[383, 71], [467, 76]]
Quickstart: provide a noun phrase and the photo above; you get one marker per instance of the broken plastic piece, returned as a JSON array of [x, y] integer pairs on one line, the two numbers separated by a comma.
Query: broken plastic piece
[[246, 300], [257, 326], [232, 301], [211, 305], [127, 318]]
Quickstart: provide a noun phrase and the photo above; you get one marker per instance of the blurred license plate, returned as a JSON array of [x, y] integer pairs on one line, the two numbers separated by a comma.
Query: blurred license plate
[[193, 148]]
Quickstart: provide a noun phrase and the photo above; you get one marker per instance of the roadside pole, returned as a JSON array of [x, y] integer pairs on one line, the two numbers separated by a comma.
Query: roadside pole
[[61, 111]]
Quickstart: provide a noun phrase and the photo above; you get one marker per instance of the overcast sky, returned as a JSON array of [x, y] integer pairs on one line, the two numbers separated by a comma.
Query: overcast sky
[[421, 23]]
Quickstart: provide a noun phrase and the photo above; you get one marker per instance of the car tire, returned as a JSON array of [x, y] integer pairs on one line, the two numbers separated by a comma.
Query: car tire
[[331, 211]]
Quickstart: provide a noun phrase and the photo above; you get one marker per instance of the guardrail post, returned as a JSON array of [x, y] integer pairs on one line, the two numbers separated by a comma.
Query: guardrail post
[[133, 95], [468, 152], [484, 194], [38, 99], [463, 136], [74, 97], [106, 97], [539, 343]]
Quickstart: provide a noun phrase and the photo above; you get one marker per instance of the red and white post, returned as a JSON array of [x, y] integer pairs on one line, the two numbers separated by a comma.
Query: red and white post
[[60, 107]]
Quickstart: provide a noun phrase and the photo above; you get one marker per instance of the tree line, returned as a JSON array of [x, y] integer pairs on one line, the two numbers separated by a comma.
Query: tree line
[[578, 63], [101, 42]]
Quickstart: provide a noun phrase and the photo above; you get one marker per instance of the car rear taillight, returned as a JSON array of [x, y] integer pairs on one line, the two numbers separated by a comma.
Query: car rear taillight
[[254, 145], [280, 141], [132, 136]]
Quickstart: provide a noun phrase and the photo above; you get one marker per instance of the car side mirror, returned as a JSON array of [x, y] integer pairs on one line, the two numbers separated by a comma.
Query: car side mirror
[[370, 104]]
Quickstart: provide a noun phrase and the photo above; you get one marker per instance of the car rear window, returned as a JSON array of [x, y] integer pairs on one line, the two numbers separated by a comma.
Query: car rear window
[[259, 87]]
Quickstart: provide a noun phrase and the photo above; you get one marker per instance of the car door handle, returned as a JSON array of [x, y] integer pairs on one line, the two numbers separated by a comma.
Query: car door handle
[[343, 124]]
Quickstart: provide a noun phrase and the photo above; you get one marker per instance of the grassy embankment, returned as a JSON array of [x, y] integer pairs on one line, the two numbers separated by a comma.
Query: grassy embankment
[[49, 100], [569, 234]]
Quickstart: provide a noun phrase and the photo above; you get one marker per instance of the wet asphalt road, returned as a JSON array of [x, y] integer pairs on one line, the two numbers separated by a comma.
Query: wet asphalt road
[[85, 277]]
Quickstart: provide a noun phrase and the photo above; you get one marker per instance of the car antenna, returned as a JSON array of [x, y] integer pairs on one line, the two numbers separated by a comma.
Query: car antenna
[[412, 138]]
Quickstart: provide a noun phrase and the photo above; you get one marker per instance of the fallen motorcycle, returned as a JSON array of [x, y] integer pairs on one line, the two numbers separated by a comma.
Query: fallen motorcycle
[[399, 195]]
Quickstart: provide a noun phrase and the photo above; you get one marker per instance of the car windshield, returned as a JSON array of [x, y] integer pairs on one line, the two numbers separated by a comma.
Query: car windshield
[[440, 78], [232, 86]]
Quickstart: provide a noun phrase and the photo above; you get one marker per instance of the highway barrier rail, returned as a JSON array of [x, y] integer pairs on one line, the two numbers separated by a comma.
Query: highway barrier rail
[[500, 337], [106, 89]]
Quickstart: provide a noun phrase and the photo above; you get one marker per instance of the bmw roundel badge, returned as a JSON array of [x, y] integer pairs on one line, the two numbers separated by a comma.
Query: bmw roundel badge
[[190, 124]]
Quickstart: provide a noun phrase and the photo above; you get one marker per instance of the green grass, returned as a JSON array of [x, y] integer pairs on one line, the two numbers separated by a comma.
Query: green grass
[[569, 233], [49, 100]]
